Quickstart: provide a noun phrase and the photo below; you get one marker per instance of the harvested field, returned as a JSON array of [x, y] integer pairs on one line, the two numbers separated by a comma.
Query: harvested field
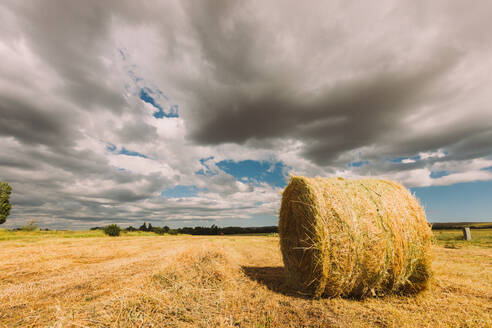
[[214, 281]]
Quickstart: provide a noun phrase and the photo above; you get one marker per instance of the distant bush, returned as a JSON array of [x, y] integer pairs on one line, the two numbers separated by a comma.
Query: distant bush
[[159, 230], [31, 226], [112, 230], [173, 231]]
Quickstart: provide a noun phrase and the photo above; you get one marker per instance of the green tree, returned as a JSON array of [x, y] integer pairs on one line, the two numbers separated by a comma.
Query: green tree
[[5, 206]]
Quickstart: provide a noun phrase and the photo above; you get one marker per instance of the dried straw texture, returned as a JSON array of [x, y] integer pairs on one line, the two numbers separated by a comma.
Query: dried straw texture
[[353, 238]]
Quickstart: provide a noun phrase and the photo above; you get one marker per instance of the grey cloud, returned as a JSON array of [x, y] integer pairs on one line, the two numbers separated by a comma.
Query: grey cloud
[[71, 39], [340, 118], [473, 145], [250, 100], [137, 132], [32, 125], [369, 109], [16, 162], [121, 195]]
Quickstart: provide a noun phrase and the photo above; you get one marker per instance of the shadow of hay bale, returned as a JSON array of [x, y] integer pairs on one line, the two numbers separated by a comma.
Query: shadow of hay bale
[[274, 279]]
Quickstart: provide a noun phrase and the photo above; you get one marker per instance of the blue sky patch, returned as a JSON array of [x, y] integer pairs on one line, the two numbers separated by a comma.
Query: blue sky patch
[[256, 171], [396, 159], [181, 191], [438, 174], [146, 96], [206, 159], [206, 171], [487, 168], [402, 158], [457, 202], [358, 163], [123, 151], [202, 172], [127, 152], [111, 148]]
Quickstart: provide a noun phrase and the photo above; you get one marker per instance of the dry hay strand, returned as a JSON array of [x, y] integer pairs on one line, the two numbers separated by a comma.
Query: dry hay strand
[[205, 268], [353, 238]]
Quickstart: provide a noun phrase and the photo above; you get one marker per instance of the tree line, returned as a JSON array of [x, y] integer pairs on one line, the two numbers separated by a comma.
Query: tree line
[[215, 230], [212, 230], [460, 225]]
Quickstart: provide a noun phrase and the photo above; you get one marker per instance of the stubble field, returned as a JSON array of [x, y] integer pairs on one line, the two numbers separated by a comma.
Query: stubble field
[[83, 279]]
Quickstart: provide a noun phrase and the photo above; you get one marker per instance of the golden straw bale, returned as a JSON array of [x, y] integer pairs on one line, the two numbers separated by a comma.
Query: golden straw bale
[[353, 238]]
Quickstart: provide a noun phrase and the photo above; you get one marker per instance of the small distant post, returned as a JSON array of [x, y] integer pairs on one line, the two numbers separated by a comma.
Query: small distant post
[[466, 234]]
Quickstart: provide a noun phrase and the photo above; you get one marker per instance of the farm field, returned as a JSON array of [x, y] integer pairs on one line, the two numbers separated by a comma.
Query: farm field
[[80, 279]]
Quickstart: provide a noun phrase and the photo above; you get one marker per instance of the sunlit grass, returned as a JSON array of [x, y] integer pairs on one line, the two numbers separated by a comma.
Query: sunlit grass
[[454, 238], [41, 234]]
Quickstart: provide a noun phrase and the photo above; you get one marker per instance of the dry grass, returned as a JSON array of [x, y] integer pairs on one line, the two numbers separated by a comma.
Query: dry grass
[[357, 238], [185, 281]]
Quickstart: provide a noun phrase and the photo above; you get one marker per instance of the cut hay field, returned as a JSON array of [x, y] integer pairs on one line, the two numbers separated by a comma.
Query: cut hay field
[[80, 279]]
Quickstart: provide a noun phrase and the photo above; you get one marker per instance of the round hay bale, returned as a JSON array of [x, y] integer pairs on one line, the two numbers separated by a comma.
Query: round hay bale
[[353, 238]]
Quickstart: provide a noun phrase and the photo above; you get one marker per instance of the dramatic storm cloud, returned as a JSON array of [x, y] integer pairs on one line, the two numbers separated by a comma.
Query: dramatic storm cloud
[[183, 112]]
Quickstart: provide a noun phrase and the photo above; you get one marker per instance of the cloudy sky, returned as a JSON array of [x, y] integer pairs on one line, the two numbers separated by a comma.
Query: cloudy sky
[[196, 112]]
